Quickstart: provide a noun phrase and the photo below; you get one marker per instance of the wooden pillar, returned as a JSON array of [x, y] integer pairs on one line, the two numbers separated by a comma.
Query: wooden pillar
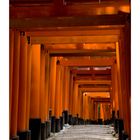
[[15, 85], [11, 57], [125, 75], [101, 110], [22, 84], [71, 94], [61, 96], [84, 106], [66, 92], [61, 90], [23, 132], [75, 100], [115, 88], [35, 84], [52, 83], [119, 81], [57, 96], [52, 90], [47, 85], [80, 104], [47, 94], [35, 119], [93, 109], [96, 111], [29, 58], [42, 85]]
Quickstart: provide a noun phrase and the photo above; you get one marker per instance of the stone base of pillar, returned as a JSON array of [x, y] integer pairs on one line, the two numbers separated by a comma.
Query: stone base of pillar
[[53, 124], [107, 122], [26, 135], [124, 136], [70, 119], [61, 123], [116, 125], [14, 138], [120, 128], [43, 131], [57, 125], [75, 121], [48, 128], [66, 117], [100, 121], [35, 127], [118, 114], [80, 121]]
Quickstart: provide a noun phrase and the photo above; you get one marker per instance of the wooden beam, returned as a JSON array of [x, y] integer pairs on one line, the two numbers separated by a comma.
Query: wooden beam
[[101, 99], [106, 72], [74, 32], [74, 39], [74, 9], [97, 20], [97, 61], [76, 53], [99, 89], [92, 77], [97, 94], [108, 82]]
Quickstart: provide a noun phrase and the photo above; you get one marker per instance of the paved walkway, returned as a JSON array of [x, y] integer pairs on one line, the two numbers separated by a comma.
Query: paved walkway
[[85, 132]]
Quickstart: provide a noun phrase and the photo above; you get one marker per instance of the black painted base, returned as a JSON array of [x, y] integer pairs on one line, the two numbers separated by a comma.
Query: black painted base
[[14, 138], [26, 135], [107, 122], [70, 119], [80, 121], [124, 136], [48, 128], [117, 113], [100, 121], [120, 128], [35, 127], [74, 120], [94, 122], [61, 123], [57, 125], [66, 117], [116, 125], [53, 124], [43, 131]]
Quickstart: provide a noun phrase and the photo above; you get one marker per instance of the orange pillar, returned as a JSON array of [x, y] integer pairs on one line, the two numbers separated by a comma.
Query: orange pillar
[[102, 112], [52, 89], [35, 119], [96, 111], [42, 85], [61, 90], [35, 84], [57, 96], [15, 85], [125, 75], [52, 83], [115, 87], [66, 93], [119, 80], [22, 84], [11, 53], [71, 94], [47, 93], [80, 104], [29, 56], [75, 100]]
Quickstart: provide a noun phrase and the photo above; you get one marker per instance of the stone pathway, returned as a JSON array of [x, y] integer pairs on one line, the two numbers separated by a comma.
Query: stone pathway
[[85, 132]]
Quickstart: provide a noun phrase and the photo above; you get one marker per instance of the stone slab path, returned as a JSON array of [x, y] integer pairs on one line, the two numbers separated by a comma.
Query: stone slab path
[[85, 132]]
